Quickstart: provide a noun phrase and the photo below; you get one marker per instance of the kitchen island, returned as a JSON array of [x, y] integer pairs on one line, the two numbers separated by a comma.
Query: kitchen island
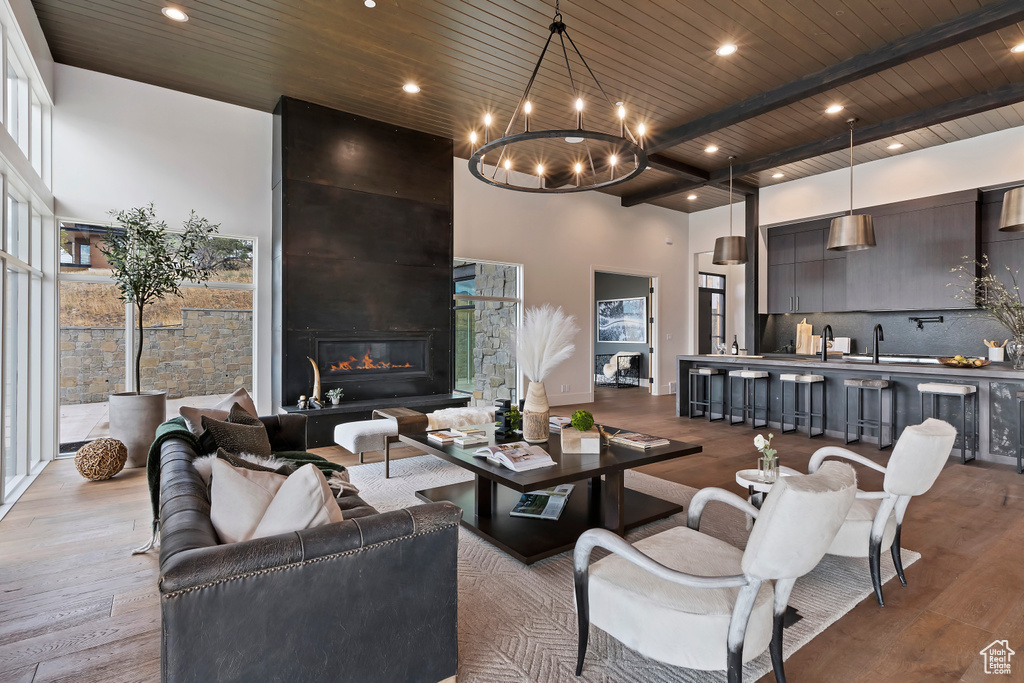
[[997, 384]]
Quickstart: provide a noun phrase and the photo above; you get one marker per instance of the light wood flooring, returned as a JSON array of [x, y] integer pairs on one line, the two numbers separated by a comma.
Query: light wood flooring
[[76, 606]]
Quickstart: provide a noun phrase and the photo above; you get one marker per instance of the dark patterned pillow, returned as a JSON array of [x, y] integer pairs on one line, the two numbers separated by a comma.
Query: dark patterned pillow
[[236, 461], [238, 438], [240, 416]]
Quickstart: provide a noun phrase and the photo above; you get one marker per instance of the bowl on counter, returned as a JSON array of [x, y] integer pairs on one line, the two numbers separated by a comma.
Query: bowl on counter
[[966, 363]]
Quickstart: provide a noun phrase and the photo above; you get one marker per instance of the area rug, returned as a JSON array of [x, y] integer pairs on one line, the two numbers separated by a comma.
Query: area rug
[[518, 623]]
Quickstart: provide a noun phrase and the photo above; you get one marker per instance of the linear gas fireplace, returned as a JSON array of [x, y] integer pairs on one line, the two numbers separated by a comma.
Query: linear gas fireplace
[[367, 359]]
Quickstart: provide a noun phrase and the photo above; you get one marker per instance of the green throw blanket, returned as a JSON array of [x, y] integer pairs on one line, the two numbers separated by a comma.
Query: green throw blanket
[[177, 429]]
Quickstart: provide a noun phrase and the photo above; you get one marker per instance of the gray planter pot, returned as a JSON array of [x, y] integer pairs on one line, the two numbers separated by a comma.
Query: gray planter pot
[[134, 419]]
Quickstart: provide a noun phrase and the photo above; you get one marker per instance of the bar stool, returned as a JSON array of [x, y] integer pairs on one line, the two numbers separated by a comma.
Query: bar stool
[[874, 424], [1020, 432], [808, 415], [936, 389], [748, 407], [702, 378]]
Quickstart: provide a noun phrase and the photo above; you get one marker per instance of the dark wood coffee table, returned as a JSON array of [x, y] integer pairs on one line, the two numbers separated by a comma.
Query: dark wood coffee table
[[494, 491]]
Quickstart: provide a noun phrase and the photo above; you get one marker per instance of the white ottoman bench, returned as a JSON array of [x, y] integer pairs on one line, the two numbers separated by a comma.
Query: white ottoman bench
[[367, 435]]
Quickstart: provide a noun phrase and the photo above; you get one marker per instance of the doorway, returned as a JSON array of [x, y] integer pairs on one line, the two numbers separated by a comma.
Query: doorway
[[711, 292], [624, 319]]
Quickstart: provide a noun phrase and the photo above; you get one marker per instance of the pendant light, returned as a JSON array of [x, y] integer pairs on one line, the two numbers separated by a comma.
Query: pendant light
[[1012, 218], [731, 250], [851, 232]]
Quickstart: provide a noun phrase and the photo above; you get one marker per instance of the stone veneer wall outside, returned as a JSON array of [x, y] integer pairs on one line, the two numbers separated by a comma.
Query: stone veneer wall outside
[[494, 350], [211, 353]]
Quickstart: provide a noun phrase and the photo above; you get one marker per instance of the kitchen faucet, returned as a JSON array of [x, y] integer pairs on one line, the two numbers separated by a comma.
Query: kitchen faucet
[[879, 336], [826, 336]]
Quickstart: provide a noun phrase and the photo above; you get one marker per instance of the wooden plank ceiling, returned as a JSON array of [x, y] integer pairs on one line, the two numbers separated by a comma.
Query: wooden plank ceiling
[[472, 57]]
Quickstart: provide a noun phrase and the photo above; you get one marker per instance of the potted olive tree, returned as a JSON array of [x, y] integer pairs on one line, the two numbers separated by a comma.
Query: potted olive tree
[[149, 263]]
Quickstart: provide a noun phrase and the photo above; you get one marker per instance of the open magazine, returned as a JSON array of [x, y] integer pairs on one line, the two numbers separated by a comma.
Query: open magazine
[[543, 504], [518, 456]]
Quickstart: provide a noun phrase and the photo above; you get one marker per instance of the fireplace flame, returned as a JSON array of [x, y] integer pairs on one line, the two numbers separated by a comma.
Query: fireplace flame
[[366, 363]]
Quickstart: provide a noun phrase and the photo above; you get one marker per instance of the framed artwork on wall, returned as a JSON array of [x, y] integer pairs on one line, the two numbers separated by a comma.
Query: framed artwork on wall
[[622, 320]]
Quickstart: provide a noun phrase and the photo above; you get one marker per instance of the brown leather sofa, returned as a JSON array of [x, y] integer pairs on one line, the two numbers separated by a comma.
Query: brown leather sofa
[[372, 598]]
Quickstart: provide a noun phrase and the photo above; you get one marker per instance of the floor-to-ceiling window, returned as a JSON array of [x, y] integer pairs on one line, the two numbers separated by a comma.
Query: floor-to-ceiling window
[[198, 348], [486, 311], [25, 216]]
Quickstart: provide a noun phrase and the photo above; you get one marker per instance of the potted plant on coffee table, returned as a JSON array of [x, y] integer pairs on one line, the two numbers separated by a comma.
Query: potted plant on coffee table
[[148, 264], [581, 435]]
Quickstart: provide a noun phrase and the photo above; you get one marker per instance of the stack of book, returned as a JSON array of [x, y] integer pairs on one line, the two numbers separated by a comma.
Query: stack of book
[[469, 436], [637, 440], [556, 423], [444, 436], [545, 504]]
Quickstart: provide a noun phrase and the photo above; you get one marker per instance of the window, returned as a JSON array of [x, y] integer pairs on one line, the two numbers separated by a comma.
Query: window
[[486, 316], [17, 102], [198, 348]]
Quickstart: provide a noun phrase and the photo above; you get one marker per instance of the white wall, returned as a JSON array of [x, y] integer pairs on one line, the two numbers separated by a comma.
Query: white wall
[[121, 143], [561, 240], [983, 161]]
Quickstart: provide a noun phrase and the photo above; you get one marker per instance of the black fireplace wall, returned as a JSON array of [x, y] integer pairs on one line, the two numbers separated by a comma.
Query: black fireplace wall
[[362, 244]]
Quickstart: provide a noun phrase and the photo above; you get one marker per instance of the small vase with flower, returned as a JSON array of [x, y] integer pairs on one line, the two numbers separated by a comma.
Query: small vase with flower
[[768, 463]]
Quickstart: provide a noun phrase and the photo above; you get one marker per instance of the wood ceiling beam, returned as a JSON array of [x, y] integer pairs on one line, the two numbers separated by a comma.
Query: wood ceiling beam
[[982, 21], [1002, 96]]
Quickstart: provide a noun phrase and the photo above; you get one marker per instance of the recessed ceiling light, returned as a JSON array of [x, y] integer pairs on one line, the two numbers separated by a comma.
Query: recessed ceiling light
[[1017, 49], [895, 145], [834, 109], [174, 14], [711, 149], [369, 3], [411, 88], [778, 175], [726, 50], [692, 197]]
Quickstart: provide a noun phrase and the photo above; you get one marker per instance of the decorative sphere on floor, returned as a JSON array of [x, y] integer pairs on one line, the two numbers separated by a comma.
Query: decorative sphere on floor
[[101, 459]]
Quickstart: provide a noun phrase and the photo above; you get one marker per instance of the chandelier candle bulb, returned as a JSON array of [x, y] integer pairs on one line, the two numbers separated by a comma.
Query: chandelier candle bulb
[[579, 113], [527, 108]]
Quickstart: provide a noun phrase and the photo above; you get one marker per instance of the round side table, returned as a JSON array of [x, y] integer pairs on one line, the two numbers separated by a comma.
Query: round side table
[[759, 489]]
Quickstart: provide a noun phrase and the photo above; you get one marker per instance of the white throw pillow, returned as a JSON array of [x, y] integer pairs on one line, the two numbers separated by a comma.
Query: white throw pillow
[[304, 501], [239, 498], [194, 416]]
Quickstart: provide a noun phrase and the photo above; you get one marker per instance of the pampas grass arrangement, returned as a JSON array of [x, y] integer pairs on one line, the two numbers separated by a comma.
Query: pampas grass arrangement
[[545, 340]]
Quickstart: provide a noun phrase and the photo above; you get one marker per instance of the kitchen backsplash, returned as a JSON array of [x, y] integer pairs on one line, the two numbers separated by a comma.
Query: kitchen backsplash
[[960, 332]]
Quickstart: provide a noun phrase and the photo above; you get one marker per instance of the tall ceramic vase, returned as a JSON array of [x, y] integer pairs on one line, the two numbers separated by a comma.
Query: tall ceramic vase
[[536, 415], [134, 419]]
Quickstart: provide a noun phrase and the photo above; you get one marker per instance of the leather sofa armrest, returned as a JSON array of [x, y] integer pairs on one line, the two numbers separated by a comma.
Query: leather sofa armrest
[[287, 432], [205, 567]]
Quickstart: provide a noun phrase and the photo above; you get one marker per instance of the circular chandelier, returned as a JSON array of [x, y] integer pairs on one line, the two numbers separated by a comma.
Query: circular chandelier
[[586, 159]]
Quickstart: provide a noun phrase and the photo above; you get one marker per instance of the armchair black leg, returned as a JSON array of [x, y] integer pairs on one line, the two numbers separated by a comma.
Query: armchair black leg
[[776, 648], [897, 559], [874, 558], [583, 616], [735, 665]]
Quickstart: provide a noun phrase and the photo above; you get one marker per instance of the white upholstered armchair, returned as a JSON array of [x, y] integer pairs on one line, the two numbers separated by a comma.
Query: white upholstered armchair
[[876, 518], [692, 600]]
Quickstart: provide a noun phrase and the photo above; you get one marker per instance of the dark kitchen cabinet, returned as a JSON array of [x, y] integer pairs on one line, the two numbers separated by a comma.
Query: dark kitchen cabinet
[[809, 245], [807, 286], [780, 249], [833, 291], [781, 288]]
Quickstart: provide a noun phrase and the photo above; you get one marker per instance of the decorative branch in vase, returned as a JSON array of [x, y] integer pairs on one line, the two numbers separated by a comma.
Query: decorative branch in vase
[[545, 340], [997, 296]]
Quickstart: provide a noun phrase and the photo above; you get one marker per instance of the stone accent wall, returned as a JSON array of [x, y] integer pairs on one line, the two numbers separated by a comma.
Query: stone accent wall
[[210, 353], [494, 350]]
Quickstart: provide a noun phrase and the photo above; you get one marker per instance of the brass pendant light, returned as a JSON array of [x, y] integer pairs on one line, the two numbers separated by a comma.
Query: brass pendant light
[[851, 232], [730, 251], [1012, 218]]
